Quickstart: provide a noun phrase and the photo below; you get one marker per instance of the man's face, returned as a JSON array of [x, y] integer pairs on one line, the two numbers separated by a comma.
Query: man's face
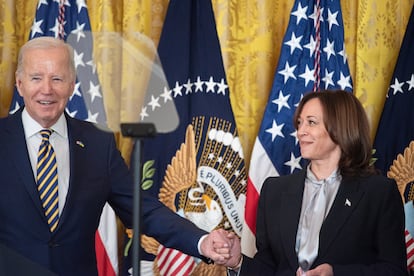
[[45, 83]]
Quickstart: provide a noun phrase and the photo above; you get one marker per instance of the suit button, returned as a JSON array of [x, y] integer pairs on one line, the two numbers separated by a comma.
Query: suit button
[[53, 244]]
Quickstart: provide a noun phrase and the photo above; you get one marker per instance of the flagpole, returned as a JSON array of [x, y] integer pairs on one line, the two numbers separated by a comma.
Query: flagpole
[[137, 131]]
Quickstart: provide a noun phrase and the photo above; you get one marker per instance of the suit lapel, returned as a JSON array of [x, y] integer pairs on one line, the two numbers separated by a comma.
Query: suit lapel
[[345, 203], [77, 158], [18, 154], [290, 213]]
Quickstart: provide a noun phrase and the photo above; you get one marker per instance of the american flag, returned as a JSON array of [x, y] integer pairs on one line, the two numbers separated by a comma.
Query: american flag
[[312, 58], [69, 20], [409, 242], [173, 262], [397, 117]]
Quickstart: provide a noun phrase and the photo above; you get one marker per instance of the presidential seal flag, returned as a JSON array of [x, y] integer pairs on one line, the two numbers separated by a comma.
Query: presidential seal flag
[[398, 113], [394, 141], [69, 21], [402, 170], [312, 58], [198, 169]]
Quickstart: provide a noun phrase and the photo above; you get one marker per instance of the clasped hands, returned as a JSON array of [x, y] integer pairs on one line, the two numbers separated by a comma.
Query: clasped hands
[[222, 247]]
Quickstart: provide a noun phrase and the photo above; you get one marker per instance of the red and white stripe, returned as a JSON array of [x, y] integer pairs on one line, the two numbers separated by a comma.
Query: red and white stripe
[[409, 243], [261, 167], [106, 243], [172, 262]]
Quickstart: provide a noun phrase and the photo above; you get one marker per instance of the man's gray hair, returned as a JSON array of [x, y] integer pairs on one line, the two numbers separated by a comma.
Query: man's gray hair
[[46, 42]]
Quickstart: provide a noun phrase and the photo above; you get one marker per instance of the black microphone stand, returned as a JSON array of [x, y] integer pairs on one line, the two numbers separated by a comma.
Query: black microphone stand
[[138, 131]]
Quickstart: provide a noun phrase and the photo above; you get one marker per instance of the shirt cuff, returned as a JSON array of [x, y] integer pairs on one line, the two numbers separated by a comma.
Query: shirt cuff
[[199, 244]]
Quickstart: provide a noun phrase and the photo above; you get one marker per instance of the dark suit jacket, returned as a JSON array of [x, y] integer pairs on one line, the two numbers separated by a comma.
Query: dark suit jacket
[[365, 237], [98, 174], [13, 264]]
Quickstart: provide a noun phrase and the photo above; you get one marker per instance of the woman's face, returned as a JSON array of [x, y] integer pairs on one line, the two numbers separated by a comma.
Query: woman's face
[[314, 140]]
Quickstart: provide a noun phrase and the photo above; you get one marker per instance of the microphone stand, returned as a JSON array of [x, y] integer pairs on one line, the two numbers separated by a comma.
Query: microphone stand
[[138, 131]]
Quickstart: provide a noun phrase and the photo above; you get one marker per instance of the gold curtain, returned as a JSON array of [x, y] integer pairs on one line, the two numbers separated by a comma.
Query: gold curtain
[[250, 32]]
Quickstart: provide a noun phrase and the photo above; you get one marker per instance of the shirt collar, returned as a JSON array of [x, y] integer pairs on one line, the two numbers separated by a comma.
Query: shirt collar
[[334, 177], [31, 127]]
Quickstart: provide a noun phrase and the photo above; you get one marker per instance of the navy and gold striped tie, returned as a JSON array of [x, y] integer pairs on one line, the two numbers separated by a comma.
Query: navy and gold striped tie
[[47, 179]]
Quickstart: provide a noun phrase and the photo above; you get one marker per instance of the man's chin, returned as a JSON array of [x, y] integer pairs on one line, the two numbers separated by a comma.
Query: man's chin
[[48, 120]]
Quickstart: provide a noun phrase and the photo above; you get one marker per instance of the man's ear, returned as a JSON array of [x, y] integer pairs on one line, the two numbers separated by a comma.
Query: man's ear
[[18, 83]]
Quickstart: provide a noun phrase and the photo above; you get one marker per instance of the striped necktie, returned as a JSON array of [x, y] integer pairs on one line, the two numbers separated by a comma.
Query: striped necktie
[[47, 179]]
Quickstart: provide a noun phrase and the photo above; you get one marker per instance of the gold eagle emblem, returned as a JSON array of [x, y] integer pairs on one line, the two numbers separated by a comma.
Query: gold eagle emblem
[[181, 174], [402, 171]]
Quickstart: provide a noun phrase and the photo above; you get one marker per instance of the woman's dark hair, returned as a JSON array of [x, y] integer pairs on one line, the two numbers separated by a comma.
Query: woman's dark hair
[[347, 124]]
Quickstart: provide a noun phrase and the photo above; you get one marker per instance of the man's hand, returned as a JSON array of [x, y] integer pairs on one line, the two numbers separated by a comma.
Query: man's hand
[[222, 247], [235, 256]]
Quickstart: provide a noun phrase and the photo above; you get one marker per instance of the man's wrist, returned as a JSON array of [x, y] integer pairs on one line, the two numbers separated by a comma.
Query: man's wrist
[[200, 241], [238, 265]]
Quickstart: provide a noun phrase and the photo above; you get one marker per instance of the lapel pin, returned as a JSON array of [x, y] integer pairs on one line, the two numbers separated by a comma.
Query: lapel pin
[[80, 144], [347, 203]]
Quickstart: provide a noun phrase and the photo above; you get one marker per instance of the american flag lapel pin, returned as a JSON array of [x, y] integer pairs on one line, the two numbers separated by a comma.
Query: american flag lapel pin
[[80, 144]]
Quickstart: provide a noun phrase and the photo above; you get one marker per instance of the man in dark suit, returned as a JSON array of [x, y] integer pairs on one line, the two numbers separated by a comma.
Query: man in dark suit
[[90, 172]]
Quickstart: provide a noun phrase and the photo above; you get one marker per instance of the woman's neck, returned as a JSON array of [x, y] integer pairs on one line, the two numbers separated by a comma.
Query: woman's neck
[[322, 170]]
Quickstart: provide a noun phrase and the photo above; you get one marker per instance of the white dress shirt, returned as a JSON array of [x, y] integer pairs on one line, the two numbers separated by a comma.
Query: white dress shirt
[[60, 144]]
